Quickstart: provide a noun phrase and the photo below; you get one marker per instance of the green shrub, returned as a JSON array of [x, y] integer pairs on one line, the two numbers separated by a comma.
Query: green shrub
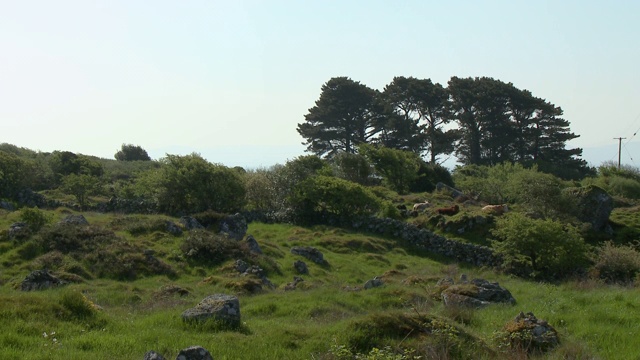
[[77, 305], [335, 196], [74, 238], [122, 261], [35, 218], [616, 263], [142, 226], [209, 219], [539, 248], [625, 187]]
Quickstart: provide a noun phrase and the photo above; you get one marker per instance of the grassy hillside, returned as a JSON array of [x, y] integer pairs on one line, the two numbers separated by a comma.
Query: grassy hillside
[[101, 315]]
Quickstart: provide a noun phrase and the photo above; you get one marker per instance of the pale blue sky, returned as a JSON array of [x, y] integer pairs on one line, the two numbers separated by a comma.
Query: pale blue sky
[[231, 80]]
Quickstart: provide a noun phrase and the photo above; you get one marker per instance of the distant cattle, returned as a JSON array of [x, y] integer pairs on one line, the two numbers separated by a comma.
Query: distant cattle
[[421, 206], [496, 209], [452, 210]]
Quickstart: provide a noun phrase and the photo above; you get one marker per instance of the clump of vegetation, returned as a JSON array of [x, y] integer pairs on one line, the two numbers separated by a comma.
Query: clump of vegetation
[[211, 249], [35, 218], [539, 248], [617, 263]]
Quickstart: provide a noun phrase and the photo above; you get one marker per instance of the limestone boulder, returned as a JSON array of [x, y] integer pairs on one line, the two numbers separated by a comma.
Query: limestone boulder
[[310, 253], [218, 307], [194, 353], [235, 226]]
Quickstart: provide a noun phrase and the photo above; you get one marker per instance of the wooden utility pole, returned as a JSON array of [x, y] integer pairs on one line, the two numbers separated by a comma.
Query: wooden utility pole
[[619, 149]]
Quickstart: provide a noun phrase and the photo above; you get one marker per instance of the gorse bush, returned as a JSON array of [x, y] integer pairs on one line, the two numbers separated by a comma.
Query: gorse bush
[[332, 195], [616, 263], [539, 248], [35, 218]]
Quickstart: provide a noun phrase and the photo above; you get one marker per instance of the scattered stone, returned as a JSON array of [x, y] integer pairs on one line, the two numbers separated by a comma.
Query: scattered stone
[[235, 226], [194, 353], [241, 266], [74, 220], [301, 267], [445, 282], [375, 282], [190, 223], [219, 307], [152, 355], [310, 253], [294, 284], [253, 245], [19, 230], [173, 228], [476, 293], [40, 280], [526, 332]]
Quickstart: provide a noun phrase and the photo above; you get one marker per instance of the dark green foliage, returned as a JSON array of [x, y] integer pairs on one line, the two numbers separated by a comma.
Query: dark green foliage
[[16, 174], [335, 196], [416, 111], [211, 249], [378, 328], [77, 305], [428, 176], [617, 263], [64, 163], [188, 184], [130, 152], [539, 248], [343, 117], [81, 186], [140, 226], [398, 168], [35, 218], [352, 167]]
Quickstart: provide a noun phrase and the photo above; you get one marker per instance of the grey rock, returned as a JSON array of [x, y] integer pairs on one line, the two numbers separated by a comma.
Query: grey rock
[[190, 223], [219, 307], [592, 205], [235, 226], [152, 355], [241, 266], [539, 336], [375, 282], [173, 228], [40, 280], [310, 253], [301, 267], [253, 245], [194, 353], [7, 206], [294, 284], [74, 220]]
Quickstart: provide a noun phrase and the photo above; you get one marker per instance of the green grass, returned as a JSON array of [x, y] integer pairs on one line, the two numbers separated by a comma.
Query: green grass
[[594, 320]]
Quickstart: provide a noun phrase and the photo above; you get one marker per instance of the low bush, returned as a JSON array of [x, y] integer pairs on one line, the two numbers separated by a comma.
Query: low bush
[[35, 218], [74, 238], [211, 249], [616, 263]]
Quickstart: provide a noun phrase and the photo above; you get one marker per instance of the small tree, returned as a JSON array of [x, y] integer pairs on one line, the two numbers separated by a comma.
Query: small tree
[[397, 167], [129, 152], [190, 184], [80, 186], [539, 248]]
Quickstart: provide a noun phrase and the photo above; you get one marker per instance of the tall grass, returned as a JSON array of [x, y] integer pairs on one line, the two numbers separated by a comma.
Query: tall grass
[[106, 319]]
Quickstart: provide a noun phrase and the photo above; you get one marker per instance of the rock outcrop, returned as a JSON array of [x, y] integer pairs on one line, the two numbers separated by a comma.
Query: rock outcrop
[[476, 293], [593, 205], [218, 307], [301, 267], [310, 253], [528, 333], [74, 220], [253, 245], [235, 226], [40, 280], [194, 353]]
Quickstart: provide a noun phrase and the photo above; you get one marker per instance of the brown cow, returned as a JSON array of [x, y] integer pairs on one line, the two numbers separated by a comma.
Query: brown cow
[[452, 210], [496, 209]]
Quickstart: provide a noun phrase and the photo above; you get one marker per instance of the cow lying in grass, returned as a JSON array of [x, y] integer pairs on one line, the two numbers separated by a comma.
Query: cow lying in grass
[[452, 210], [496, 209], [421, 206]]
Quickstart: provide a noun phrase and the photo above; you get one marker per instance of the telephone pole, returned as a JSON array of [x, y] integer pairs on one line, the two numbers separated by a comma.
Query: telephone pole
[[619, 149]]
